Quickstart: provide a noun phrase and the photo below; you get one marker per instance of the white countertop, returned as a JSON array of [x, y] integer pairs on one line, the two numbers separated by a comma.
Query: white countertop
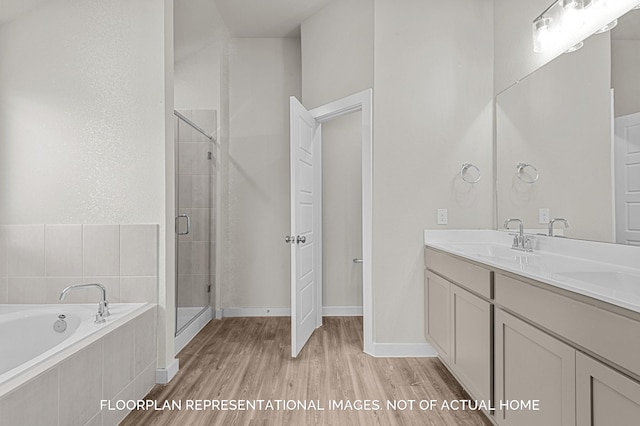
[[603, 271]]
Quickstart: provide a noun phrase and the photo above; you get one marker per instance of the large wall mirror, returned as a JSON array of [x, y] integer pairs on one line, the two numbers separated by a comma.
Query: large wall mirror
[[558, 125]]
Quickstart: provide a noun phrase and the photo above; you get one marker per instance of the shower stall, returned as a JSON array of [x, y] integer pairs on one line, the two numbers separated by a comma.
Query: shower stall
[[194, 220]]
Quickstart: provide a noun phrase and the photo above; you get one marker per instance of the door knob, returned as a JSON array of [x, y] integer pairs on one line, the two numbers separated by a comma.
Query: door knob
[[356, 260], [295, 240]]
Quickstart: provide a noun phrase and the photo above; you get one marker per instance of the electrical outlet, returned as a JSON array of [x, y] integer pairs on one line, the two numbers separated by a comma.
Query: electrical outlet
[[543, 216], [443, 218]]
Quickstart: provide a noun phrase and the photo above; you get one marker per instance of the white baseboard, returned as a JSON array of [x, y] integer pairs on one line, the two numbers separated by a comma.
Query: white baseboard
[[256, 312], [342, 311], [191, 330], [327, 311], [403, 350], [164, 375], [218, 314]]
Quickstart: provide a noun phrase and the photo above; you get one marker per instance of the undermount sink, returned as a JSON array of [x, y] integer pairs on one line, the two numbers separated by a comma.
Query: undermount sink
[[497, 252]]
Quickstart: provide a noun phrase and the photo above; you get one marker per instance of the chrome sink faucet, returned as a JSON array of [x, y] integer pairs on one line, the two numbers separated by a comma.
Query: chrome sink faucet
[[103, 306], [558, 219], [520, 241]]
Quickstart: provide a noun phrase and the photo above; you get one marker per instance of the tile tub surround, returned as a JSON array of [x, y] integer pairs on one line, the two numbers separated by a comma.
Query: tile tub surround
[[603, 271], [116, 363], [38, 261]]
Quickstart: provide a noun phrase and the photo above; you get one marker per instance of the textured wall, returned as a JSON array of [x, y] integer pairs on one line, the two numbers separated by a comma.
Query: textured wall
[[82, 119]]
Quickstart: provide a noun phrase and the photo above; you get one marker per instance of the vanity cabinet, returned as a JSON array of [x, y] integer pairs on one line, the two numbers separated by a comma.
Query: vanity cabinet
[[458, 322], [508, 337], [531, 365], [605, 396]]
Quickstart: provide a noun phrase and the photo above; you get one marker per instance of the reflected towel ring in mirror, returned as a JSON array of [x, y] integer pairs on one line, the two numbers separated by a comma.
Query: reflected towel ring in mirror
[[464, 174], [524, 176]]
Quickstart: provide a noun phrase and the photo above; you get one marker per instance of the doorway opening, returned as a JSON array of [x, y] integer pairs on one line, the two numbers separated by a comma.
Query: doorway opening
[[306, 215]]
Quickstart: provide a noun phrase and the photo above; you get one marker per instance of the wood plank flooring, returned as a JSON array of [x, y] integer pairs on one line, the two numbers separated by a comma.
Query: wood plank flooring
[[249, 359]]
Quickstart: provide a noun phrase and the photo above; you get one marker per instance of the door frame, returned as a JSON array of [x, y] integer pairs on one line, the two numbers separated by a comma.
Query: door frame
[[361, 101]]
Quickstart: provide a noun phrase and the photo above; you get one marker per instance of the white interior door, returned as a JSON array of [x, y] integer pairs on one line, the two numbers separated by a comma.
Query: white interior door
[[306, 223], [627, 179]]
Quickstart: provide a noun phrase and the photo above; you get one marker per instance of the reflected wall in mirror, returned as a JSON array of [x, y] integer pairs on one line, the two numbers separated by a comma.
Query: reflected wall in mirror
[[560, 119]]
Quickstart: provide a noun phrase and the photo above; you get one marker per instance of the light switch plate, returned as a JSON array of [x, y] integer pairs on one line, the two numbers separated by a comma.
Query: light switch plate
[[543, 216], [443, 218]]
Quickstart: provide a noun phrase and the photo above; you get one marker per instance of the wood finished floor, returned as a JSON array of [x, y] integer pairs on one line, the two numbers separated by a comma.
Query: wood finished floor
[[249, 359]]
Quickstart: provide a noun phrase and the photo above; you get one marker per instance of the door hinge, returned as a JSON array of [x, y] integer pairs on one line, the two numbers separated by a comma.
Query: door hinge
[[209, 288]]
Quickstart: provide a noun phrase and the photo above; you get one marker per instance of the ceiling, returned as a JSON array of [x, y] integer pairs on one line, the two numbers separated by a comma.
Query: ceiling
[[267, 18]]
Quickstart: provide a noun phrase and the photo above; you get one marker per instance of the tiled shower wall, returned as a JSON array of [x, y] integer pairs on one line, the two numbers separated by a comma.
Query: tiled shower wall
[[38, 261], [196, 197]]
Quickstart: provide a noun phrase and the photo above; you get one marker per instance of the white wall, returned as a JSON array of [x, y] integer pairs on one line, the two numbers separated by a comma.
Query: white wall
[[432, 112], [337, 60], [82, 114], [559, 120], [200, 40], [263, 73], [625, 69]]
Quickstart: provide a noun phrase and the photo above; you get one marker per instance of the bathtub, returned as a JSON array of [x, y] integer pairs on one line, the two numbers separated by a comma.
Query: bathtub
[[120, 352], [30, 337]]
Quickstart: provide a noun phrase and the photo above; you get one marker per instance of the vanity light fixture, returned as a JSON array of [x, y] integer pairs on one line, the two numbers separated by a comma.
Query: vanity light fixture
[[569, 22]]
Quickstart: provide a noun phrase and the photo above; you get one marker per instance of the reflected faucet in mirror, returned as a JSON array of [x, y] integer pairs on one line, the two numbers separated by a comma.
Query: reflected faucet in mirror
[[565, 222]]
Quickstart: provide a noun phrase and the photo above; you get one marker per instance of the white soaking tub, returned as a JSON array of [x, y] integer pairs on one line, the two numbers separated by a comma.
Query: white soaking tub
[[27, 335], [77, 357]]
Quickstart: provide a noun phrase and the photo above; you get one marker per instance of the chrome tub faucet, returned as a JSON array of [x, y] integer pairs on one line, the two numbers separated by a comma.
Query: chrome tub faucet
[[103, 306]]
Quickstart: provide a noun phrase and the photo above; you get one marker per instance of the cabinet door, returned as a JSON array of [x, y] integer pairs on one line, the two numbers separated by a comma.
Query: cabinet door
[[437, 314], [604, 396], [471, 342], [532, 365]]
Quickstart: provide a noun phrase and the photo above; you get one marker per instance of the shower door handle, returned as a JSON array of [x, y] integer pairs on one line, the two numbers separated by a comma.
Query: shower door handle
[[186, 216]]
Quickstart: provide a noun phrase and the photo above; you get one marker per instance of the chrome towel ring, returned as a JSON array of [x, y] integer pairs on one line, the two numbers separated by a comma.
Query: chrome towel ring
[[522, 175], [465, 176]]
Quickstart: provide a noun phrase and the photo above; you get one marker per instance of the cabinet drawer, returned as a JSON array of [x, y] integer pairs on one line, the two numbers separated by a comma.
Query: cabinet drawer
[[463, 273], [588, 326]]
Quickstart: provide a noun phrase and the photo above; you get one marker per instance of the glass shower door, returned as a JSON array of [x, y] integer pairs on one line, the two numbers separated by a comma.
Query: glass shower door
[[195, 183]]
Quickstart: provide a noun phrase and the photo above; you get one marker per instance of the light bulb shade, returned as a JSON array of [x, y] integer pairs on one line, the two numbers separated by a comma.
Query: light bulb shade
[[611, 25], [575, 47], [542, 37], [572, 4]]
